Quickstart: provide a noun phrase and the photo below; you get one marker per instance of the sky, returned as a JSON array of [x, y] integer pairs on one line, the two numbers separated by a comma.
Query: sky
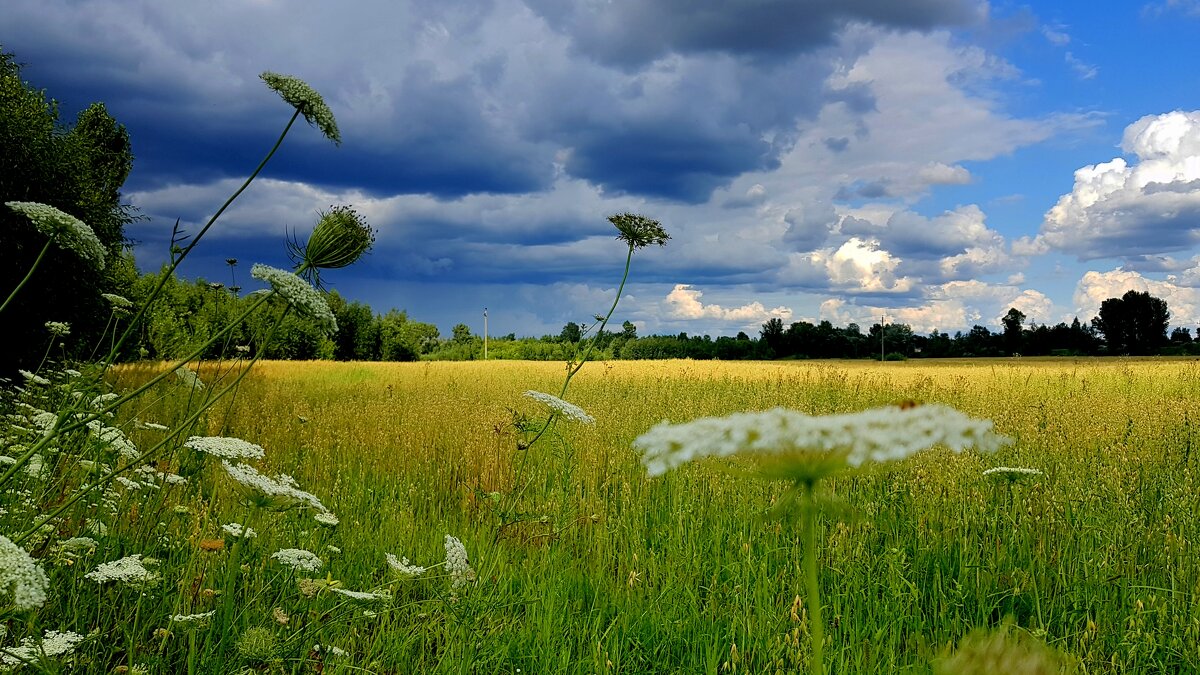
[[934, 162]]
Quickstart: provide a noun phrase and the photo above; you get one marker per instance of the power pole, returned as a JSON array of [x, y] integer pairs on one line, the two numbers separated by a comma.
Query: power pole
[[882, 319], [485, 333]]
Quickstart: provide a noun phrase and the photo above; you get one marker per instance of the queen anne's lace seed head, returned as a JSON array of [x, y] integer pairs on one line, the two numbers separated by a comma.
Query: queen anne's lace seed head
[[403, 567], [568, 410], [304, 98], [130, 570], [225, 447], [298, 559], [877, 435], [457, 564], [300, 295], [22, 582], [68, 231], [54, 644], [276, 493]]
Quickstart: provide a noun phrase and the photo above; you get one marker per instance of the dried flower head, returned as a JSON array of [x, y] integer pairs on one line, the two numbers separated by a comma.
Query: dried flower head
[[568, 410], [304, 98], [639, 231], [22, 582], [68, 231], [225, 447], [305, 299], [811, 447]]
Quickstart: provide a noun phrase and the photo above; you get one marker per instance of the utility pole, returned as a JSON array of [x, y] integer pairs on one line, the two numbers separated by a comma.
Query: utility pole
[[485, 333], [882, 320]]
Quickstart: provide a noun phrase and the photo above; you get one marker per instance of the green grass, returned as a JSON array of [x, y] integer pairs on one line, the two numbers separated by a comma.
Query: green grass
[[608, 571]]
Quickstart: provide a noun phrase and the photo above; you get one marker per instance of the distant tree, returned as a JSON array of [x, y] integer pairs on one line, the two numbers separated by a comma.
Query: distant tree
[[1181, 335], [772, 334], [629, 330], [571, 333], [1013, 322], [1135, 323], [460, 334]]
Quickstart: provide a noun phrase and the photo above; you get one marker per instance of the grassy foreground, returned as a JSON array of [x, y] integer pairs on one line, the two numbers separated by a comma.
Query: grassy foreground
[[582, 564]]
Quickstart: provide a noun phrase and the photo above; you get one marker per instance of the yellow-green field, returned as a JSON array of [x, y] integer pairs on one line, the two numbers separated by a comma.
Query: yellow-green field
[[583, 564]]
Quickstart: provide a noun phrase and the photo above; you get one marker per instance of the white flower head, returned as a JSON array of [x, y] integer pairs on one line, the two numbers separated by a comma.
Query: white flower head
[[31, 378], [114, 438], [298, 94], [1012, 472], [195, 619], [327, 519], [236, 530], [457, 564], [567, 410], [117, 301], [22, 582], [53, 644], [68, 231], [361, 596], [276, 493], [188, 378], [225, 447], [298, 559], [305, 299], [58, 328], [877, 435], [403, 567], [130, 570]]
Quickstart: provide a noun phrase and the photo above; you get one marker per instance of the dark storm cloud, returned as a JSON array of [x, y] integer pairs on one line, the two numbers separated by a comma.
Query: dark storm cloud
[[630, 33]]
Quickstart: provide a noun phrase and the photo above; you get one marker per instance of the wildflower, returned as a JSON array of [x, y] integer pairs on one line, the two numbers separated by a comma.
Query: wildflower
[[188, 377], [333, 549], [300, 295], [52, 645], [114, 438], [457, 564], [21, 579], [225, 447], [281, 617], [102, 399], [70, 232], [151, 426], [327, 519], [1005, 471], [568, 410], [78, 544], [35, 467], [362, 596], [211, 545], [128, 484], [256, 645], [277, 493], [71, 372], [304, 98], [117, 301], [32, 378], [330, 650], [298, 559], [129, 570], [877, 435], [639, 231], [236, 530], [403, 567], [58, 328], [341, 237], [193, 618]]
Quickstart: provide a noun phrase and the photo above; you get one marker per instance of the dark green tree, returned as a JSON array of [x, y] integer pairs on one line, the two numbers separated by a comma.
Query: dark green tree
[[773, 334], [571, 332], [1013, 323], [1135, 323]]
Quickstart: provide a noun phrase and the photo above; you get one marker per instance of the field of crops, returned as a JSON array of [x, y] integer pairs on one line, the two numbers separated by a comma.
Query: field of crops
[[581, 563]]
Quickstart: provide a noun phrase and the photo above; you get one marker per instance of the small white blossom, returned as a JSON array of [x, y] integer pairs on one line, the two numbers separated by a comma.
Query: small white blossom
[[457, 564], [32, 378], [279, 492], [877, 435], [71, 372], [118, 301], [188, 377], [568, 410], [1011, 472], [76, 544], [330, 650], [300, 295], [403, 567], [192, 618], [127, 483], [103, 399], [58, 328], [298, 559], [22, 582], [129, 570], [225, 447], [152, 426], [327, 519], [52, 645], [298, 94], [236, 530], [361, 596], [114, 438]]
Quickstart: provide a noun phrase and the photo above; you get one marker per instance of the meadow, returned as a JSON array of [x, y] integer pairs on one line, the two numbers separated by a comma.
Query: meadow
[[581, 563]]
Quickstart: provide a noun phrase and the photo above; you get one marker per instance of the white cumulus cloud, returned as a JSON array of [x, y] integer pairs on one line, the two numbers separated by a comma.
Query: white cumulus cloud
[[683, 302], [1096, 287]]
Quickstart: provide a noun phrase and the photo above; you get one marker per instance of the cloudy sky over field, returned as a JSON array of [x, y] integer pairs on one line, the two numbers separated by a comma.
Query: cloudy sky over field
[[935, 160]]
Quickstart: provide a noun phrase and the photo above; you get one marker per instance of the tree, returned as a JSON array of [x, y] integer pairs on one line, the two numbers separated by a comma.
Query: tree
[[79, 171], [772, 334], [571, 332], [1135, 323], [629, 330], [1013, 321], [460, 334]]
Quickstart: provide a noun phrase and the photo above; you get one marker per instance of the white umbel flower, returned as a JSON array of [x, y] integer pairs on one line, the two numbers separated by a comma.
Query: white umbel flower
[[188, 378], [225, 447], [129, 570], [22, 582], [52, 645], [193, 618], [327, 519], [361, 596], [68, 231], [236, 531], [567, 410], [1012, 472], [114, 438], [877, 435], [457, 564], [278, 493], [300, 295], [403, 567], [298, 559]]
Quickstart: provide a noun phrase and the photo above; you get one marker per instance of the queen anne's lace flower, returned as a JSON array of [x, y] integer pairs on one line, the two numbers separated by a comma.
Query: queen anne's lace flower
[[52, 645], [1012, 472], [403, 567], [58, 328], [279, 492], [300, 295], [457, 564], [118, 301], [22, 582], [327, 519], [304, 98], [236, 530], [188, 377], [877, 435], [225, 447], [114, 438], [70, 232], [129, 570], [192, 618], [298, 559], [361, 596], [568, 410]]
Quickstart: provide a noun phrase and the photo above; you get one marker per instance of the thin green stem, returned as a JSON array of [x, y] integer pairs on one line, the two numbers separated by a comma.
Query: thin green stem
[[600, 331], [27, 275], [815, 622]]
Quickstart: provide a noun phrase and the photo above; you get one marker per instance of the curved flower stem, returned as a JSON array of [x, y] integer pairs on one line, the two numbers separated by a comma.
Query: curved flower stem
[[177, 260], [28, 275], [815, 623], [599, 331]]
